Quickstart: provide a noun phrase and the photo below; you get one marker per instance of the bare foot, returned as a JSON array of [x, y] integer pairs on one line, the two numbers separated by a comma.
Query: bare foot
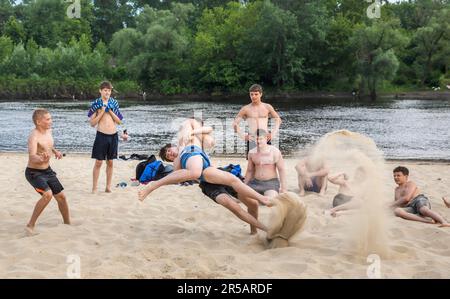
[[94, 190], [142, 194], [444, 225], [446, 201], [302, 193], [108, 190], [267, 202], [29, 230]]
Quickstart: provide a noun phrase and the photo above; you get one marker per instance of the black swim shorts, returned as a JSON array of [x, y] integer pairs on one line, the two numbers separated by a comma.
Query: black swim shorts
[[105, 146], [262, 186], [43, 180], [214, 190]]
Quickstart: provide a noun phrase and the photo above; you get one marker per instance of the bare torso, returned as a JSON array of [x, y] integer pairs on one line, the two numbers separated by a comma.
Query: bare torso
[[265, 162], [257, 117], [106, 124], [44, 146], [403, 190]]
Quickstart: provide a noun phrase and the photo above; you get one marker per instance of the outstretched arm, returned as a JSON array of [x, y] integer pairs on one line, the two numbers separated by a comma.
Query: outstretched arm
[[337, 179], [201, 130]]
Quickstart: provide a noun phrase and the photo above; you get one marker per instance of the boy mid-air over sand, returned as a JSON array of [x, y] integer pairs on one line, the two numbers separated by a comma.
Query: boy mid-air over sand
[[105, 114], [38, 172], [410, 203], [192, 163]]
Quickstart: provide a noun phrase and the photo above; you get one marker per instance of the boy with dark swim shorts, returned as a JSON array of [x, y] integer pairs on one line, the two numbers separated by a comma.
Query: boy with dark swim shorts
[[265, 169], [105, 114], [226, 196], [38, 172]]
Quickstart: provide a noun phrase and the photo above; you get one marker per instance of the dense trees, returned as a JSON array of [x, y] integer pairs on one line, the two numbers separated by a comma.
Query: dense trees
[[222, 46]]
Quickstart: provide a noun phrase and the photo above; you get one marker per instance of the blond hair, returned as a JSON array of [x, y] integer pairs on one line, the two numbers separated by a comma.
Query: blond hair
[[39, 113]]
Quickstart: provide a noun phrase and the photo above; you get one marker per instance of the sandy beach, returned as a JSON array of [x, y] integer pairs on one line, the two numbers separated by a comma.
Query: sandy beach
[[177, 232]]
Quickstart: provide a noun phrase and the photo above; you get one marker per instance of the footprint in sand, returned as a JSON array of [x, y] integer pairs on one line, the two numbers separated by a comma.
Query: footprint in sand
[[190, 219], [177, 230]]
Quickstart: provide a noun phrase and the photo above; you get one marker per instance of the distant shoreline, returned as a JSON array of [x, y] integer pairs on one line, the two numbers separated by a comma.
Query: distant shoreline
[[268, 96]]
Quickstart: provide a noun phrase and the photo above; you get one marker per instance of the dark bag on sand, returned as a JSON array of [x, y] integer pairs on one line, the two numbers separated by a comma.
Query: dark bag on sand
[[141, 166], [153, 169], [233, 169]]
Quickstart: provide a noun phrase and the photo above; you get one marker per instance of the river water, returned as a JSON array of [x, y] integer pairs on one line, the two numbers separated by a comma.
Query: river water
[[402, 129]]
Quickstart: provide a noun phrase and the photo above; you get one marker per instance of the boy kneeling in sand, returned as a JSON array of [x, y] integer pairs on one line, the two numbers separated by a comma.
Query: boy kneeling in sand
[[410, 203], [38, 172], [265, 169], [192, 163]]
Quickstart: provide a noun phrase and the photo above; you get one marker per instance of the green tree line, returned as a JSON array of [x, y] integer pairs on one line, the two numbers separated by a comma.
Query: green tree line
[[212, 46]]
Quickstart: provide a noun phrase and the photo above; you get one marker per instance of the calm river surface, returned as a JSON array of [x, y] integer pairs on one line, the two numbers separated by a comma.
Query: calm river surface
[[410, 129]]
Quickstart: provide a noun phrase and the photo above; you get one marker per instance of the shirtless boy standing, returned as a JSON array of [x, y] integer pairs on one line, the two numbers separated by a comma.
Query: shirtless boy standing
[[104, 113], [38, 172], [257, 116]]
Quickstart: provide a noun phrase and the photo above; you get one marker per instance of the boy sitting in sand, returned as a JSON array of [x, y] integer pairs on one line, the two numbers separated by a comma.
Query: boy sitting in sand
[[410, 203], [265, 169], [38, 172], [192, 163], [312, 175]]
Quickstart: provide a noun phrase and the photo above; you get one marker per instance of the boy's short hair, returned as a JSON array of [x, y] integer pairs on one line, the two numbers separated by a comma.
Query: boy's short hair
[[106, 84], [255, 87], [163, 152], [38, 113], [401, 169]]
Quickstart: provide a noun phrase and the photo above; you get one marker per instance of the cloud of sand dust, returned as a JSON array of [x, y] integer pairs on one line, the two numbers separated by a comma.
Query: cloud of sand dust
[[346, 151], [288, 216]]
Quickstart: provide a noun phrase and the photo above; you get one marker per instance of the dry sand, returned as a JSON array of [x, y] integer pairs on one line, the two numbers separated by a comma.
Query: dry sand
[[177, 232]]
